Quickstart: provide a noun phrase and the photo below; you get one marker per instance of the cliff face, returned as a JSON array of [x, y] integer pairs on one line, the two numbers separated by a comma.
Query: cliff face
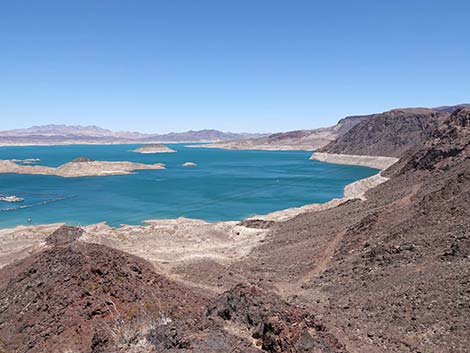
[[447, 146], [387, 134]]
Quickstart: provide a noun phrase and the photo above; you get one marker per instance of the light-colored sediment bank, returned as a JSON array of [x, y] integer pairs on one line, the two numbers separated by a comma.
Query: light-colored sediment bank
[[172, 242], [356, 190], [154, 148], [78, 169], [377, 162], [300, 140], [241, 146], [167, 243]]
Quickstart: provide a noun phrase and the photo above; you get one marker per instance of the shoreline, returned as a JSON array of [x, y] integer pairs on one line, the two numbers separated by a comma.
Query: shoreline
[[171, 242], [376, 162], [354, 190], [77, 169], [255, 147]]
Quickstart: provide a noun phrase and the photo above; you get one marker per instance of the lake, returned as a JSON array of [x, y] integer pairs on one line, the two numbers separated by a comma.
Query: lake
[[225, 185]]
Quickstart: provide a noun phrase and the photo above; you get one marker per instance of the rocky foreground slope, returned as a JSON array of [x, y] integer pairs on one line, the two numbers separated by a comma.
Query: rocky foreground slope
[[82, 297], [389, 273]]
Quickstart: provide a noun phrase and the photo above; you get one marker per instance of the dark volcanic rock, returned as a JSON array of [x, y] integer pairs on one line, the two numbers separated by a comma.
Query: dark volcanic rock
[[257, 223], [64, 235], [448, 145], [81, 160], [387, 134], [88, 298], [389, 274], [277, 326], [85, 298]]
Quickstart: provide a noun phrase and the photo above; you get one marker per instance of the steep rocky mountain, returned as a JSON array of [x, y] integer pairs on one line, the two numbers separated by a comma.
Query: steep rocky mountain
[[387, 134], [295, 140], [347, 123], [59, 134]]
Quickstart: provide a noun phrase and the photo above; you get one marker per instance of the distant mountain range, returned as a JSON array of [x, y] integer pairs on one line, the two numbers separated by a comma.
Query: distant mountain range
[[292, 140], [66, 134]]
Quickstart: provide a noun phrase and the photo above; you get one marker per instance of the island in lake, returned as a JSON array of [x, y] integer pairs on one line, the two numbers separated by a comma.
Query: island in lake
[[11, 198], [79, 167], [154, 148]]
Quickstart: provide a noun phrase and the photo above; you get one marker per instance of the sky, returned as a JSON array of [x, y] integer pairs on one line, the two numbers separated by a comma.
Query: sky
[[232, 65]]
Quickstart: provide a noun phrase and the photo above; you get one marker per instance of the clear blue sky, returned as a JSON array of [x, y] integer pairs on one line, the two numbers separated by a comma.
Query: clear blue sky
[[238, 65]]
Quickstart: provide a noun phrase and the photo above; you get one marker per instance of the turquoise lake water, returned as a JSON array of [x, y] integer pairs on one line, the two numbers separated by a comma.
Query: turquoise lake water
[[225, 185]]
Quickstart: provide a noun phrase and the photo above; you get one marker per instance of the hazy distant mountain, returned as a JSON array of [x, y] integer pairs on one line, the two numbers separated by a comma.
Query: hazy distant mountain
[[451, 108], [65, 134], [294, 140]]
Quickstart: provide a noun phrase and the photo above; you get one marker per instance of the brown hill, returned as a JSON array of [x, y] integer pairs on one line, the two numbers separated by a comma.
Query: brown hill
[[82, 297], [387, 134]]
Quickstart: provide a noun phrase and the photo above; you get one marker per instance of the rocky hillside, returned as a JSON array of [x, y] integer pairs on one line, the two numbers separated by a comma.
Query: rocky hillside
[[81, 297], [393, 275], [387, 134]]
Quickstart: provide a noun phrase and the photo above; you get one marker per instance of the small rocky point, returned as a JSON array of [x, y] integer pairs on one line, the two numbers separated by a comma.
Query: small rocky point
[[82, 159]]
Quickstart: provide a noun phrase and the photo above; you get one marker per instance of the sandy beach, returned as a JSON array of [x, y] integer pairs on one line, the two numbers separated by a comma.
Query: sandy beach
[[377, 162]]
